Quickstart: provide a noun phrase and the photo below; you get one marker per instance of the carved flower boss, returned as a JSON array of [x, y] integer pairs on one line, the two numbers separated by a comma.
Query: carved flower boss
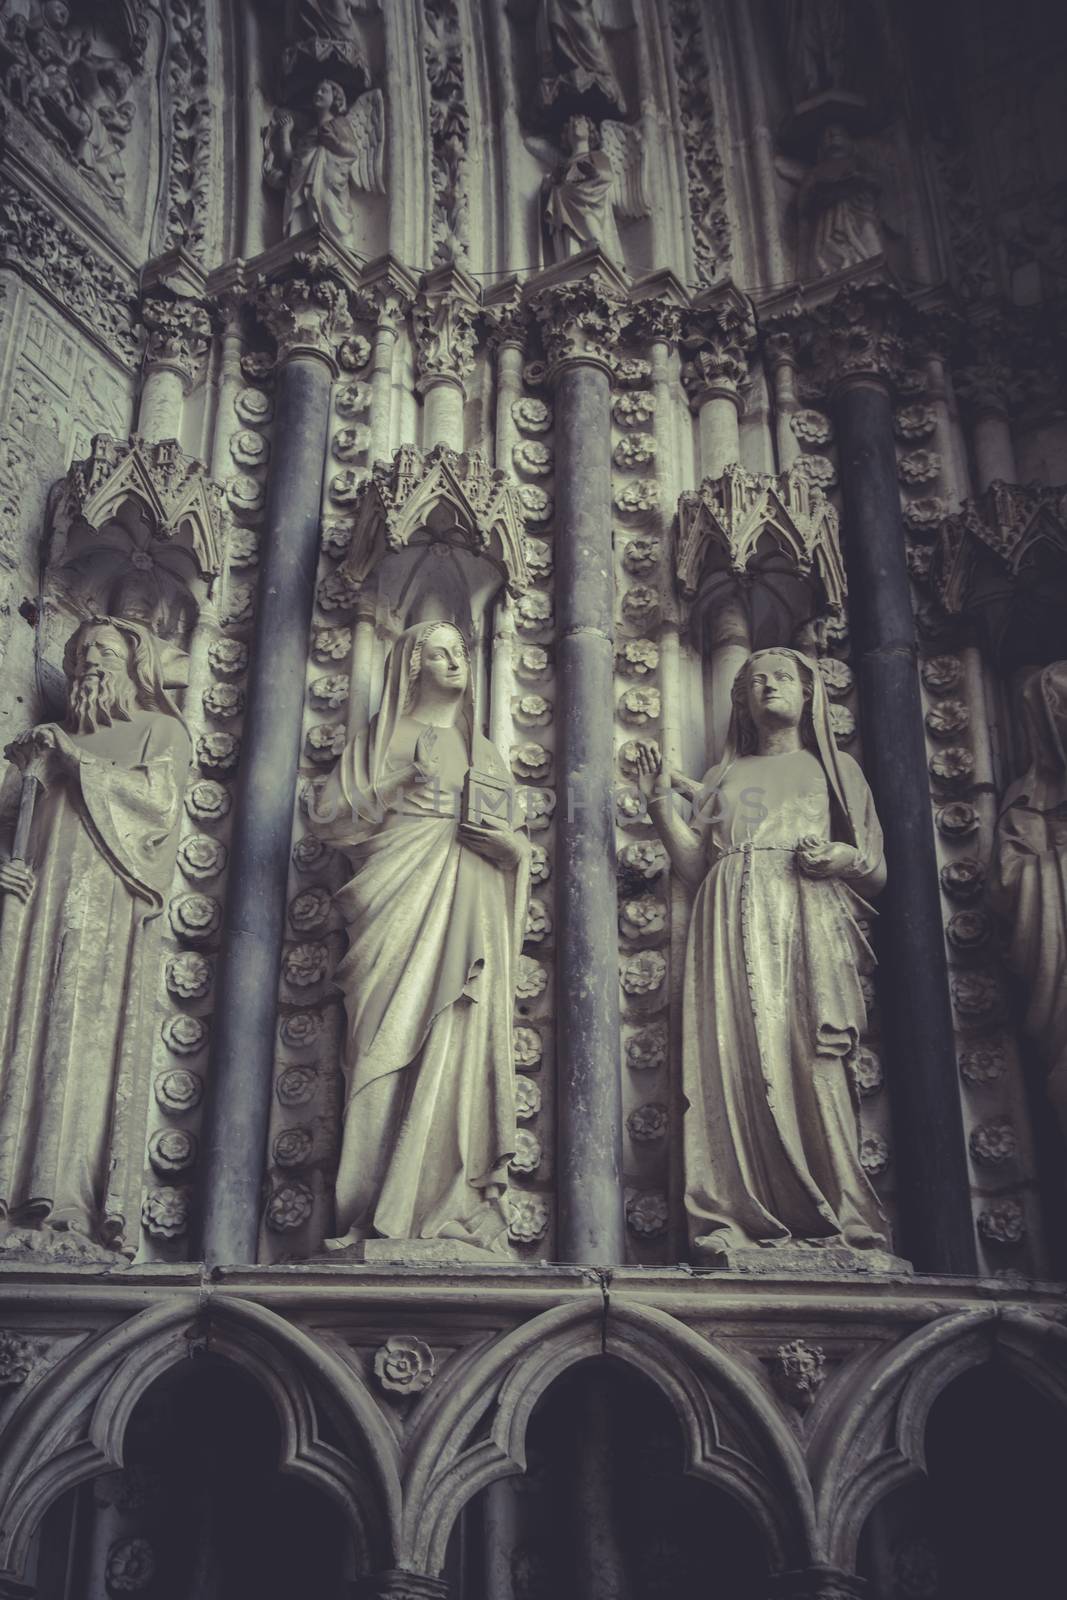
[[404, 1364]]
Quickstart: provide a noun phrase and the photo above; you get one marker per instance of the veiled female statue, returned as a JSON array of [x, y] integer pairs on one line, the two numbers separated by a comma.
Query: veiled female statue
[[435, 912], [784, 842], [1030, 873]]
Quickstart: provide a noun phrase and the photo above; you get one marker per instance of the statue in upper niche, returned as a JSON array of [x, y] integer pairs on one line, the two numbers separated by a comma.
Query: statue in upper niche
[[325, 164], [435, 911], [837, 49], [329, 19], [79, 960], [840, 206], [588, 186], [783, 844], [574, 66], [1030, 874]]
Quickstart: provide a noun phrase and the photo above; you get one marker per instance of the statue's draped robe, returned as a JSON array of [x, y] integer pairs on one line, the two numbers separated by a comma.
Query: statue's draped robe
[[79, 970], [319, 188], [774, 1011], [580, 209], [1029, 882], [434, 931], [569, 40]]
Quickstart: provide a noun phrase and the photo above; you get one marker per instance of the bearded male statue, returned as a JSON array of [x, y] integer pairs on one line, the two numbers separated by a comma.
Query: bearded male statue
[[79, 958]]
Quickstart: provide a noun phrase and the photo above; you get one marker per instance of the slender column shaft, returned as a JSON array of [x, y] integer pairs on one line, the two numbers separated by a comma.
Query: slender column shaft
[[994, 452], [159, 410], [381, 383], [731, 645], [241, 1075], [442, 421], [508, 390], [720, 436], [784, 382], [934, 1193], [590, 1090]]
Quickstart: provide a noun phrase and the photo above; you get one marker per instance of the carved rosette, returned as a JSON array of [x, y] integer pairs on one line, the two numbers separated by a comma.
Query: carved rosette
[[444, 324], [306, 308]]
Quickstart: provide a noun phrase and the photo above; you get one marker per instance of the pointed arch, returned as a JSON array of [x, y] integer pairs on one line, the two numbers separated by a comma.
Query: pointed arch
[[873, 1440], [73, 1425]]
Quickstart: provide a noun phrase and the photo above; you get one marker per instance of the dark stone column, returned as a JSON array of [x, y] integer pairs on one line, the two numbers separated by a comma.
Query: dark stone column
[[238, 1109], [817, 1583], [587, 976], [917, 1015]]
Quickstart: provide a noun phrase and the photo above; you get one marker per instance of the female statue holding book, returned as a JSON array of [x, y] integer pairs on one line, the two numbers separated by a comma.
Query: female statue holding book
[[784, 843], [420, 804]]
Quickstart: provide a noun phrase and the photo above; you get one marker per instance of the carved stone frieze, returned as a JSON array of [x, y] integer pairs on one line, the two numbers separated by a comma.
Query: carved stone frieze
[[76, 93], [449, 131], [95, 293], [708, 215], [438, 497], [444, 319], [189, 172], [724, 526]]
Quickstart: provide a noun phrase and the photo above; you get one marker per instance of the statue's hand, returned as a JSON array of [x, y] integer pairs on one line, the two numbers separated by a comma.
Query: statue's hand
[[652, 779], [496, 842], [825, 858], [31, 747], [427, 760], [16, 878]]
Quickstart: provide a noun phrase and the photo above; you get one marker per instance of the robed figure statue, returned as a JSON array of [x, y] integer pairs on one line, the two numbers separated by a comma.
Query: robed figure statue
[[435, 910], [783, 844], [1030, 874], [79, 957]]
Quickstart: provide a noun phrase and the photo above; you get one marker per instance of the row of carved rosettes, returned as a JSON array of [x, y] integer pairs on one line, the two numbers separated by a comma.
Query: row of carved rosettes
[[642, 580], [532, 760], [308, 1104], [214, 710], [963, 784]]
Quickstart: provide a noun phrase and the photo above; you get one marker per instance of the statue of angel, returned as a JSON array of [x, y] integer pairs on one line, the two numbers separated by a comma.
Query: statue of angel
[[325, 166], [841, 207], [588, 187]]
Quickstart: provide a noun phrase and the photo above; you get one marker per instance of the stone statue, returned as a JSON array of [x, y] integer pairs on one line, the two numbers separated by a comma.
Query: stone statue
[[326, 165], [1029, 881], [839, 201], [588, 186], [784, 841], [79, 961], [435, 915], [820, 47], [572, 55]]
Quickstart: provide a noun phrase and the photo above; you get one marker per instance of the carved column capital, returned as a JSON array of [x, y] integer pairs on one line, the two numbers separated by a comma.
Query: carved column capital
[[582, 311], [507, 315], [719, 337], [178, 334], [305, 308], [444, 322], [864, 334]]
